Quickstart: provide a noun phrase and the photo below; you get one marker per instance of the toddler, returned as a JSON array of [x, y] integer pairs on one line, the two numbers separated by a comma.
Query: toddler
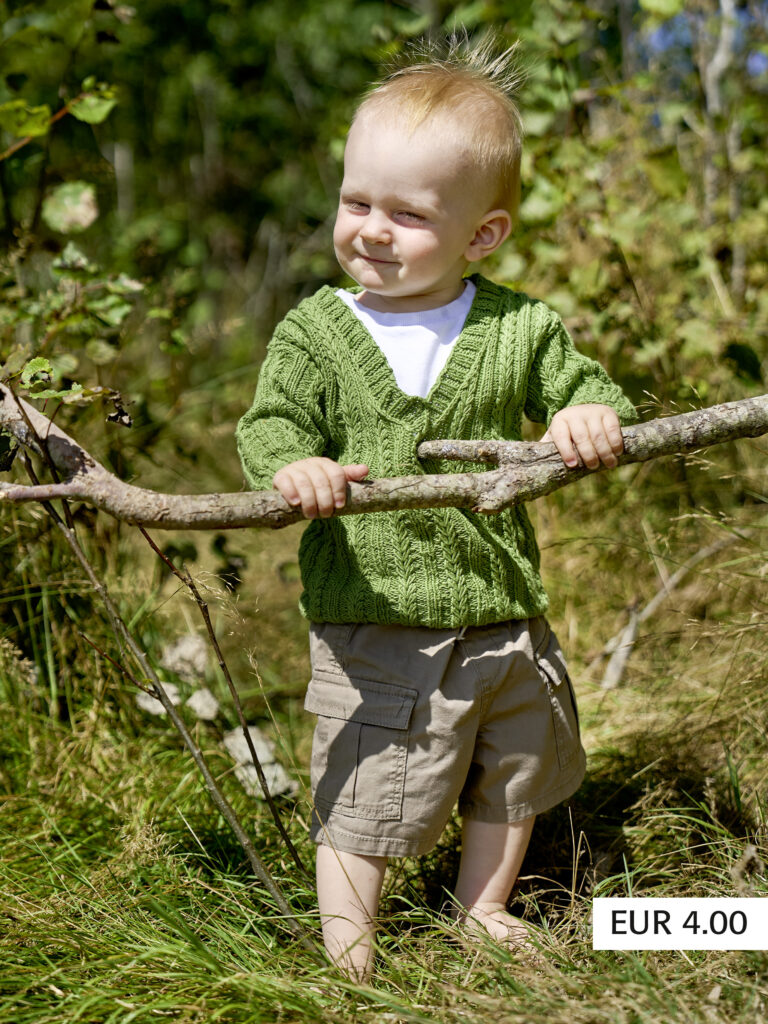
[[435, 676]]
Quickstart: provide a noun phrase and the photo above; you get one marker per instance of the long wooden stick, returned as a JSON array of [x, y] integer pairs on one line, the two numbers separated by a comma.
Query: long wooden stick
[[524, 471]]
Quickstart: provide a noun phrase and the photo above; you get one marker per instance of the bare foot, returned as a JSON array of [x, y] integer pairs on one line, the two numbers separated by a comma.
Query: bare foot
[[496, 921]]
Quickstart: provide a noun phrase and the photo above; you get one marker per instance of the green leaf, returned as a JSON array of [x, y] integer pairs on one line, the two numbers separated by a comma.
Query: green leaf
[[14, 363], [665, 173], [662, 8], [18, 118], [95, 107], [74, 262], [543, 203], [538, 122], [178, 342], [112, 309], [73, 394], [124, 285], [100, 352], [71, 207], [33, 367], [65, 364], [698, 337]]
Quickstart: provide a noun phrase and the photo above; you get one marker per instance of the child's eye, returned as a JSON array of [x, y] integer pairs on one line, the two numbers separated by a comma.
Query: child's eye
[[355, 206], [408, 215]]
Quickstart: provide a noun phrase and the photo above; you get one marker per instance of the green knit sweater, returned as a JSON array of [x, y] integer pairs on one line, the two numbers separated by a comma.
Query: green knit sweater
[[325, 388]]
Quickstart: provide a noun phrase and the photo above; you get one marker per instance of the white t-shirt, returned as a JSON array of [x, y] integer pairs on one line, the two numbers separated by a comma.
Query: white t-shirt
[[416, 345]]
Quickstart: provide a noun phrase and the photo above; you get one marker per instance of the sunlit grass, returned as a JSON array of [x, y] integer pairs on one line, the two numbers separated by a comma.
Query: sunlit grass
[[125, 898]]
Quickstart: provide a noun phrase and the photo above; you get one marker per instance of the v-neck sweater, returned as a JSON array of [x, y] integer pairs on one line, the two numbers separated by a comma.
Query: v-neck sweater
[[326, 388]]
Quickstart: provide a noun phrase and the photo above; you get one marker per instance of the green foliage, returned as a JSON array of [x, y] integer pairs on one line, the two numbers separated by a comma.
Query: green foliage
[[95, 103], [18, 118], [77, 322], [194, 150]]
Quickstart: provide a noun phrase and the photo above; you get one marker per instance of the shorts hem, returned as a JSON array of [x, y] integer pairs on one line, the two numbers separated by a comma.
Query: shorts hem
[[370, 846], [499, 813]]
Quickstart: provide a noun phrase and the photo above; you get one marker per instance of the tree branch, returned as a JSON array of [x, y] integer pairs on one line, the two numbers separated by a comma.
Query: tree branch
[[525, 471]]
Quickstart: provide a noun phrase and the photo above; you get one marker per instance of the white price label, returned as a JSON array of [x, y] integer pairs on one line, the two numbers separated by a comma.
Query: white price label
[[679, 923]]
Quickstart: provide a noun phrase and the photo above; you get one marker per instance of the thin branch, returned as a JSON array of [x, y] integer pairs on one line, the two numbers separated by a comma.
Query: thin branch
[[186, 578], [116, 664], [24, 410], [20, 143], [525, 472], [620, 647], [125, 637]]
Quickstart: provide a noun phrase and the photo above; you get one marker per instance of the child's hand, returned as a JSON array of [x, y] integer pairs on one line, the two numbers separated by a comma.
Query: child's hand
[[590, 433], [318, 484]]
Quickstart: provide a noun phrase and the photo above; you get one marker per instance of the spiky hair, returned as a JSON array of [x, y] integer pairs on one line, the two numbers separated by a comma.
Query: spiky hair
[[470, 87]]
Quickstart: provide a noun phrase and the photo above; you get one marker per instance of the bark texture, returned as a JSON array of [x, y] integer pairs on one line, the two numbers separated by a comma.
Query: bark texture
[[524, 471]]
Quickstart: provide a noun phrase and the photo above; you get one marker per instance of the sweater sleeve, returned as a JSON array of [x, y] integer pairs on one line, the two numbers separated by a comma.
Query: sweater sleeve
[[560, 376], [285, 422]]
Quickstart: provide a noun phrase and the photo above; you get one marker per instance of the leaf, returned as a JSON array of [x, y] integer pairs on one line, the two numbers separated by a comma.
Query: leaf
[[178, 342], [71, 207], [699, 338], [37, 365], [665, 173], [14, 363], [73, 261], [543, 203], [119, 416], [112, 309], [65, 364], [538, 122], [100, 352], [73, 394], [124, 285], [662, 8], [95, 107], [18, 118]]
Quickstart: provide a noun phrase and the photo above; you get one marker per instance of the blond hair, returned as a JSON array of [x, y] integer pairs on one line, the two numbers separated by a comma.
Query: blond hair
[[471, 87]]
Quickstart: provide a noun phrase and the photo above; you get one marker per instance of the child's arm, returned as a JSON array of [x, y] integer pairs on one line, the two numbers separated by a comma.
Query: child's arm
[[588, 434], [284, 437], [582, 407], [286, 422], [318, 484]]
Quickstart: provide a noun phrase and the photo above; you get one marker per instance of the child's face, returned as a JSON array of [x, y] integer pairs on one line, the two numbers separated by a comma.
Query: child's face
[[407, 215]]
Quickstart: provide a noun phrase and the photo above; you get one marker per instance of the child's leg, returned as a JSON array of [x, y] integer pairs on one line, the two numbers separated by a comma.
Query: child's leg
[[348, 891], [491, 856]]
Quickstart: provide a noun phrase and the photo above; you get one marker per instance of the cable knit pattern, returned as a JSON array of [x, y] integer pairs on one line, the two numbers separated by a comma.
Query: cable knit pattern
[[325, 388]]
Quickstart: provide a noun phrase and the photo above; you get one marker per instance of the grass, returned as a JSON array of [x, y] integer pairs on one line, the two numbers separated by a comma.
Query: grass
[[125, 898]]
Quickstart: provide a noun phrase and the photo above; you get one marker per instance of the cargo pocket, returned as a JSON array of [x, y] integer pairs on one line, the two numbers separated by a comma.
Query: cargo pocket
[[360, 746], [565, 718]]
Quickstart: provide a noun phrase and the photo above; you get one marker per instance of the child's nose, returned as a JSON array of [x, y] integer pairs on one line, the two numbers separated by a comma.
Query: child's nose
[[376, 229]]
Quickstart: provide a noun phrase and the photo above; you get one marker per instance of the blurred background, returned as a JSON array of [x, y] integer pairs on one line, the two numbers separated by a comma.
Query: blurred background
[[168, 181]]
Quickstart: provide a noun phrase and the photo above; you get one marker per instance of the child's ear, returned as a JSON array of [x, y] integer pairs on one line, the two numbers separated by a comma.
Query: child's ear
[[494, 229]]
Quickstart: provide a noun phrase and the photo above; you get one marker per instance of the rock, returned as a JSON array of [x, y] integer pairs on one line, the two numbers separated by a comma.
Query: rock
[[187, 658], [236, 746], [204, 704], [152, 705], [278, 780]]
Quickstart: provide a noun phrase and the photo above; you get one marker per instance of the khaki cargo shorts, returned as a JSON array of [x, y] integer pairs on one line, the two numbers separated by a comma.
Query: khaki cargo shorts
[[410, 720]]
